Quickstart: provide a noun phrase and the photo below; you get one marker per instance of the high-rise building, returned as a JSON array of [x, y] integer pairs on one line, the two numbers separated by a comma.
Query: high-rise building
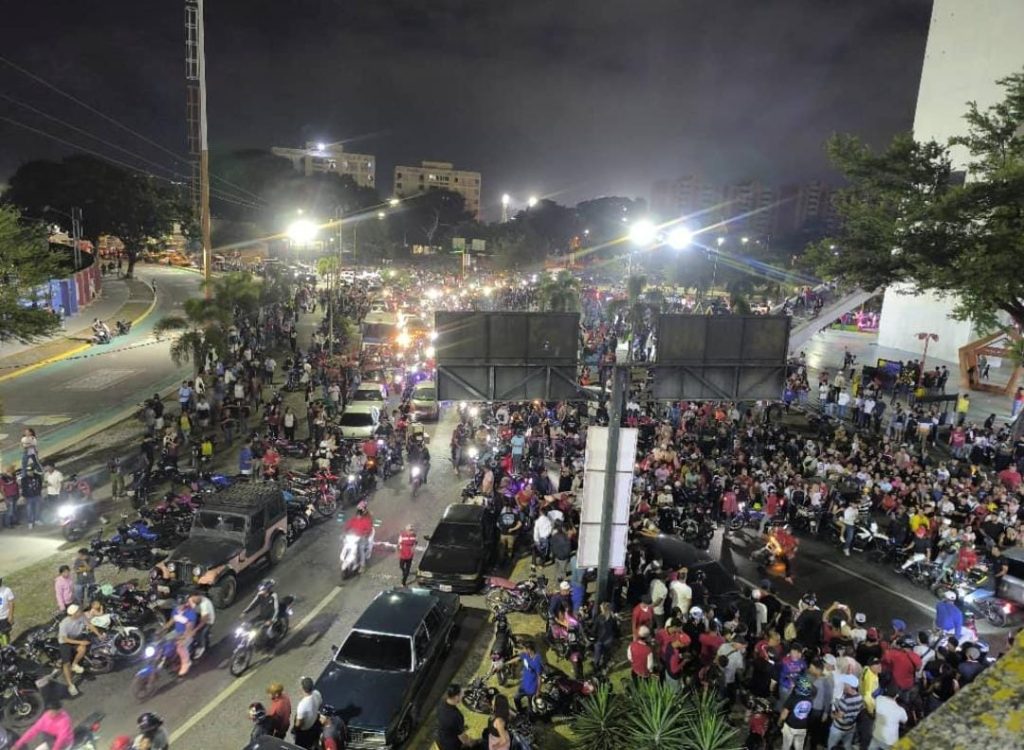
[[439, 175], [330, 158]]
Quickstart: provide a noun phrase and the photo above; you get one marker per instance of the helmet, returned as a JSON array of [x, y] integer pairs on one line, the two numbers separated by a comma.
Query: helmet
[[950, 595], [860, 618], [257, 712], [266, 586], [121, 742], [328, 710], [696, 613], [149, 722], [809, 600]]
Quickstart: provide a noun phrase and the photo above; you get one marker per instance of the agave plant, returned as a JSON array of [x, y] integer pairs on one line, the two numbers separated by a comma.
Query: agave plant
[[707, 724], [600, 724], [656, 717]]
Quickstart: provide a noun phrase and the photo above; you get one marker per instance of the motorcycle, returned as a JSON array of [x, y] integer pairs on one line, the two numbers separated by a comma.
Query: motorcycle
[[159, 657], [42, 648], [350, 555], [127, 640], [250, 636], [19, 693], [504, 595], [75, 518], [570, 643], [415, 478], [561, 695], [85, 736], [299, 518], [478, 696], [503, 651]]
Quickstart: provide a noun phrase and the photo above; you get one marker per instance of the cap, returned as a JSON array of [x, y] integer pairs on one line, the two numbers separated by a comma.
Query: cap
[[830, 660], [849, 680], [73, 609], [564, 586], [898, 624]]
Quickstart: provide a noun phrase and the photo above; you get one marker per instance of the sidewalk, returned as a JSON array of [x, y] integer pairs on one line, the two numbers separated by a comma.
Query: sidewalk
[[121, 299], [825, 350]]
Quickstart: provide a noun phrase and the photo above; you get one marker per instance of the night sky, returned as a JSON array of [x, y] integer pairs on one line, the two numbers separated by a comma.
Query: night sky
[[564, 98]]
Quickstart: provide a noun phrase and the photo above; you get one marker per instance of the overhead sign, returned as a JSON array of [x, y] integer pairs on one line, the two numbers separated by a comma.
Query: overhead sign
[[505, 356], [721, 357]]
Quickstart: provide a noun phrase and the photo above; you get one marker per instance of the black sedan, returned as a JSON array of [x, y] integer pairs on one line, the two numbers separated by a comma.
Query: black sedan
[[460, 550], [674, 553], [381, 675]]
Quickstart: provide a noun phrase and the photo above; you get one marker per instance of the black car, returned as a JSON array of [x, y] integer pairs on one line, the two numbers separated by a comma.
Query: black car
[[266, 742], [674, 552], [383, 672], [460, 550]]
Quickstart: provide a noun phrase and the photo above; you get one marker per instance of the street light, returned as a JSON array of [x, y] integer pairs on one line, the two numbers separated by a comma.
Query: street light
[[302, 231], [643, 232], [531, 201], [506, 199], [744, 240], [680, 238], [394, 202], [720, 241]]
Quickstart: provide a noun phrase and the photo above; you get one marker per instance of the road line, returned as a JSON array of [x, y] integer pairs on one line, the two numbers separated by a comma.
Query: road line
[[227, 692], [894, 592]]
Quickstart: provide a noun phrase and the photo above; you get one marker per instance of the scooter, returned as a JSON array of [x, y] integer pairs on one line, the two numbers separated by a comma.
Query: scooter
[[250, 636], [415, 478], [350, 555]]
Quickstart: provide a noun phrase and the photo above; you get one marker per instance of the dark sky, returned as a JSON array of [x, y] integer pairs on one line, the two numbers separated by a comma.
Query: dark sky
[[564, 98]]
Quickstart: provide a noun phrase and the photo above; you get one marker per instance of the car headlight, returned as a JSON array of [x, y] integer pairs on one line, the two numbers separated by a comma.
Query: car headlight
[[424, 574], [66, 511], [468, 577], [150, 652], [198, 571], [351, 477]]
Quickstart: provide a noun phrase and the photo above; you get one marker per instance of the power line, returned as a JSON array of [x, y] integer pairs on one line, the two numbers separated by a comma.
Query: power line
[[112, 160], [115, 122]]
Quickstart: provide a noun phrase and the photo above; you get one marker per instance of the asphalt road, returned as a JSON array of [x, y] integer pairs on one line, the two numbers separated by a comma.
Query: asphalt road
[[65, 398], [209, 707]]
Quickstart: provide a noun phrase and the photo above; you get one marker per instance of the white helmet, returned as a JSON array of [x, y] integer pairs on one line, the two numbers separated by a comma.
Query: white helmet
[[696, 613], [950, 595]]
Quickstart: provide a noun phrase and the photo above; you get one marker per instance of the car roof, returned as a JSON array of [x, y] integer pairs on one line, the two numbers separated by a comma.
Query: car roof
[[360, 408], [1014, 553], [396, 612], [424, 385], [462, 513], [243, 496], [368, 385]]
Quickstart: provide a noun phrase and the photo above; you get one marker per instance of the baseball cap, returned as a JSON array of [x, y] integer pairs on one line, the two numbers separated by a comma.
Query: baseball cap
[[830, 660], [849, 680], [860, 618], [898, 624], [73, 609], [564, 586]]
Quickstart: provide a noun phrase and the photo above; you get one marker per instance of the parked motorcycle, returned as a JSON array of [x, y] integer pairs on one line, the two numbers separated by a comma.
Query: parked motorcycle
[[504, 595], [19, 692], [561, 695], [127, 640], [570, 643], [503, 651], [250, 637], [478, 697]]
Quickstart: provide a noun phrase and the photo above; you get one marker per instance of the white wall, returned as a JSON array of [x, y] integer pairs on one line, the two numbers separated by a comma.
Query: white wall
[[971, 44], [905, 315]]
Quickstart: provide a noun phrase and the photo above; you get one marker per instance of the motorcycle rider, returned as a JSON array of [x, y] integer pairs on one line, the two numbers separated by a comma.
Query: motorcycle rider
[[151, 733], [948, 617], [460, 437], [184, 620], [207, 616], [56, 723], [265, 605], [362, 526]]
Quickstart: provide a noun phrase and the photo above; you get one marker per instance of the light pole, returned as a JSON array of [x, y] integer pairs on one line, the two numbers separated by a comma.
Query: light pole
[[506, 199], [531, 201], [926, 337]]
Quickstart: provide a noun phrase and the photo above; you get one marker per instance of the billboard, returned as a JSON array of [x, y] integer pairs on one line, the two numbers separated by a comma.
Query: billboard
[[499, 356], [716, 357]]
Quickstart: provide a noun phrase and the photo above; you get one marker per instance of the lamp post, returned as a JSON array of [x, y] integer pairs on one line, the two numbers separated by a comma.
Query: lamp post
[[506, 199], [926, 337]]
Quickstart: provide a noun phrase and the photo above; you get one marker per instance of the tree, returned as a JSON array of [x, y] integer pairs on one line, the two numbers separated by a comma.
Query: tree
[[26, 264], [132, 206], [200, 331], [429, 218], [906, 218], [559, 292]]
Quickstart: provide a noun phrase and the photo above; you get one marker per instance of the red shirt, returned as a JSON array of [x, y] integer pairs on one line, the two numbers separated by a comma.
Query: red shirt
[[642, 616], [903, 666], [280, 715], [709, 643], [406, 545], [361, 525], [370, 448], [639, 654]]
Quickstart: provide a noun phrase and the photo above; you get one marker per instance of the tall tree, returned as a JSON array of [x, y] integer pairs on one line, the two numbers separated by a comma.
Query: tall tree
[[131, 206], [26, 264], [906, 218], [560, 292]]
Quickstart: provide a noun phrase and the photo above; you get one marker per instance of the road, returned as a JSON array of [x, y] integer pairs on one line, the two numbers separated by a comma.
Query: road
[[68, 398], [209, 707]]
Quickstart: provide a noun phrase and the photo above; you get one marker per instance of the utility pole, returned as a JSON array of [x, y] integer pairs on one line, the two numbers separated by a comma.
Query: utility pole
[[195, 75], [619, 374], [76, 235]]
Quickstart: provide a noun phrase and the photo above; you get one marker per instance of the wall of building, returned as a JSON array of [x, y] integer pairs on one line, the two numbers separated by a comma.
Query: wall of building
[[970, 46]]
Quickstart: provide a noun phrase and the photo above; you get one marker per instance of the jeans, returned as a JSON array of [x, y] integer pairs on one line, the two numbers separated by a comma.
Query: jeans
[[844, 737], [364, 551], [793, 738], [848, 532], [33, 508], [11, 515]]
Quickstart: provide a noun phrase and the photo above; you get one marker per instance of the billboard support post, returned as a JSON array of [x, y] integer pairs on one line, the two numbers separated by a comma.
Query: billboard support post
[[619, 374]]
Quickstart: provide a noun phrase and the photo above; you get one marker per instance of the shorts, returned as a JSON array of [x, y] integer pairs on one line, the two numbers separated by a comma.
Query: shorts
[[67, 652]]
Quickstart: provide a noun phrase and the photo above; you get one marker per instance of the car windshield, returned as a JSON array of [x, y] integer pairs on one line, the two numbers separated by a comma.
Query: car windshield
[[389, 653], [371, 394], [424, 394], [456, 535], [355, 419], [223, 522]]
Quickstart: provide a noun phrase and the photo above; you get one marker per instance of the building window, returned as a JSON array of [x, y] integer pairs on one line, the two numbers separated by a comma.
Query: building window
[[398, 175], [398, 186]]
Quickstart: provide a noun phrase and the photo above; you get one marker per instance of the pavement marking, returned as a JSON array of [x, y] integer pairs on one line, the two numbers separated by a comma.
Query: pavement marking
[[223, 695], [46, 420], [883, 587], [98, 379]]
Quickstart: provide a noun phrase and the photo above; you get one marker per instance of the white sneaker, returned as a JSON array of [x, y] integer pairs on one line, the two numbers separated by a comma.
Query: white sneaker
[[77, 669], [73, 691], [846, 552]]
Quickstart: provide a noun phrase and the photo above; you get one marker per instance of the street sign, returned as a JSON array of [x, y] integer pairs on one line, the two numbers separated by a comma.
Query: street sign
[[716, 357]]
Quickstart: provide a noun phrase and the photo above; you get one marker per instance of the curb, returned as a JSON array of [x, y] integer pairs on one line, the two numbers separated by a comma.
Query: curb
[[72, 352]]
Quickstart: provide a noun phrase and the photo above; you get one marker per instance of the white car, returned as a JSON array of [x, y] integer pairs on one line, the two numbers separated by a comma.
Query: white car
[[370, 392], [359, 421]]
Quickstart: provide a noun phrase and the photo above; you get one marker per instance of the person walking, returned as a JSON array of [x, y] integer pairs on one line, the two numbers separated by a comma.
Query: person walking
[[84, 569], [845, 711], [32, 491], [280, 711], [9, 494], [306, 729], [451, 724], [529, 681], [560, 548], [406, 551]]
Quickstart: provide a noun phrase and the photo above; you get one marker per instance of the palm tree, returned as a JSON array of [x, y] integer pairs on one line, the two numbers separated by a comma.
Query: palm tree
[[560, 293], [202, 330], [236, 292]]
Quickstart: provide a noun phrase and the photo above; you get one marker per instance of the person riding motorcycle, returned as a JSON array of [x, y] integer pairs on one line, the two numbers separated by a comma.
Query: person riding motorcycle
[[265, 604], [151, 733], [55, 723], [362, 526]]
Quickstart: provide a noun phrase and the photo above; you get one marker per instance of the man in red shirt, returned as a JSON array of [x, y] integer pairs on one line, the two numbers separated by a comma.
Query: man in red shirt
[[1010, 478], [361, 524], [902, 663], [709, 643], [406, 550], [641, 657], [643, 615]]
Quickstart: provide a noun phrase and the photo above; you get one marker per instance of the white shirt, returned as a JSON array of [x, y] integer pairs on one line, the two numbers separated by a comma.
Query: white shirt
[[53, 480], [844, 398], [658, 592], [6, 597], [888, 717], [850, 515], [206, 610], [307, 710], [682, 595], [541, 528]]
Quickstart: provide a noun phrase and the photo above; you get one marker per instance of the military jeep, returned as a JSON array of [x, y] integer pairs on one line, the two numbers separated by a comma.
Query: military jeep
[[232, 532]]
